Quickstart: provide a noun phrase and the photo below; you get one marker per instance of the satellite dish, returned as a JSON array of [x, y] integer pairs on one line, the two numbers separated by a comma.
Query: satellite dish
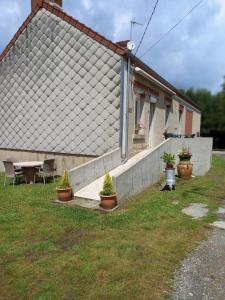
[[130, 45]]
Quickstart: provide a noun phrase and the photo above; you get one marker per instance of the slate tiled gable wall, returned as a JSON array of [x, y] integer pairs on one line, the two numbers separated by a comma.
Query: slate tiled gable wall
[[59, 91]]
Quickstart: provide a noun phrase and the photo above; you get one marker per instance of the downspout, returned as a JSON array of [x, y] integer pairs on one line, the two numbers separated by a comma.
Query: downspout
[[125, 109]]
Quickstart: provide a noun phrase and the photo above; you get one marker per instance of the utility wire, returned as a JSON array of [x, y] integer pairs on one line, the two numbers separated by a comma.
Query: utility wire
[[172, 28], [146, 28]]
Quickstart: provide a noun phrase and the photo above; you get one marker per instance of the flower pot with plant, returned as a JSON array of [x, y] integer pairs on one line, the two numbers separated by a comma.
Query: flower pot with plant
[[169, 160], [107, 195], [64, 190], [185, 167], [141, 128], [185, 154]]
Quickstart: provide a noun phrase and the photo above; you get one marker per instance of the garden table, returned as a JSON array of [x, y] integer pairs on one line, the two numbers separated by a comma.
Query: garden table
[[29, 169]]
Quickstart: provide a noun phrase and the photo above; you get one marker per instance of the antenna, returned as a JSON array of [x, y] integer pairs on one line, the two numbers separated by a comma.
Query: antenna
[[132, 24]]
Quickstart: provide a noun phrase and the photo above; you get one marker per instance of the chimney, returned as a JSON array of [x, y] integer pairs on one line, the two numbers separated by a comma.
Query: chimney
[[55, 3]]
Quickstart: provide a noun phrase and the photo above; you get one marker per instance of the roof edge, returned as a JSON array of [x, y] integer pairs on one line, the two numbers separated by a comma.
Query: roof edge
[[19, 32], [97, 37], [151, 72], [72, 21]]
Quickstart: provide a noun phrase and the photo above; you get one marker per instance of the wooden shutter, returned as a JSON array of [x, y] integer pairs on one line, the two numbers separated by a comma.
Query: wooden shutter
[[188, 123]]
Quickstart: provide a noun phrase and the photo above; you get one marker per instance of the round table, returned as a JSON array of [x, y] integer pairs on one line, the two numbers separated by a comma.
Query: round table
[[29, 169]]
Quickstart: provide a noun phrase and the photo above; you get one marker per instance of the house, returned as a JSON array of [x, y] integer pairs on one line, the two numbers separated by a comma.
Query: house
[[68, 92]]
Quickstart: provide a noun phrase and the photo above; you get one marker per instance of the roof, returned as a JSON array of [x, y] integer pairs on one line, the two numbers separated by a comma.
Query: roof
[[61, 14], [119, 48], [137, 62]]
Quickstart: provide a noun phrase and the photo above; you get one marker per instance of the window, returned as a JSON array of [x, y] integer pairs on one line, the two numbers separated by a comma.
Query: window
[[139, 109], [181, 109], [180, 115], [168, 103], [167, 113], [139, 105]]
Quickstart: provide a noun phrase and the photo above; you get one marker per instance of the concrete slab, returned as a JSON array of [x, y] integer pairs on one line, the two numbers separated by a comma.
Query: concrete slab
[[219, 224], [85, 203], [90, 204], [108, 210], [221, 210], [196, 210]]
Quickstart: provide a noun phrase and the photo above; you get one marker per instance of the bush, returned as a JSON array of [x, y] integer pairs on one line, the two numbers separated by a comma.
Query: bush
[[64, 181], [107, 186]]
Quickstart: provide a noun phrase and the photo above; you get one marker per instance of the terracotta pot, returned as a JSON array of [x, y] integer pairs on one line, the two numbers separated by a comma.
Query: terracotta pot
[[108, 202], [65, 194], [184, 169]]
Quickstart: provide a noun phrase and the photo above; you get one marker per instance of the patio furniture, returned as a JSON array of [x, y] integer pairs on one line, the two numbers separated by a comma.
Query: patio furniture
[[48, 169], [29, 169], [14, 160], [11, 172]]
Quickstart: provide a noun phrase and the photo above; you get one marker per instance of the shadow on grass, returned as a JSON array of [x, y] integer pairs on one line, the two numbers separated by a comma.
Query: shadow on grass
[[201, 191]]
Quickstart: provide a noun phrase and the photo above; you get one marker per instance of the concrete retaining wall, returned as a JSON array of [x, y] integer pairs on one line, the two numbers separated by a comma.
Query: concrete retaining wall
[[63, 161], [146, 169], [86, 173]]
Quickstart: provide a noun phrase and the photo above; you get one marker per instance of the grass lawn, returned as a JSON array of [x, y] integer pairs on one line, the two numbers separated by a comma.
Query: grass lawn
[[49, 251]]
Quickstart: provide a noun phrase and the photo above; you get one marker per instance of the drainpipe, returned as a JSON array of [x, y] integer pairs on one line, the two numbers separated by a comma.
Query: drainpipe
[[126, 99]]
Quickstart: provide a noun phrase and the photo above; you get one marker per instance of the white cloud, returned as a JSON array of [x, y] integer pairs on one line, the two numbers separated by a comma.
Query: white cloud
[[221, 5], [10, 9], [121, 25], [87, 4], [191, 55]]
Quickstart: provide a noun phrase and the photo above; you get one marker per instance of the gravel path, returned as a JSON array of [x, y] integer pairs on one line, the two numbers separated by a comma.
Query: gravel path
[[202, 274]]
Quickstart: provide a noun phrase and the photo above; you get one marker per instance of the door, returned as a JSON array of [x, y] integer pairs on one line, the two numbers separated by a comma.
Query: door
[[188, 123]]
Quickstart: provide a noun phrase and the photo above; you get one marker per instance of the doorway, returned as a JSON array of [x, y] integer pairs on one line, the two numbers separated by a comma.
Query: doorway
[[188, 122]]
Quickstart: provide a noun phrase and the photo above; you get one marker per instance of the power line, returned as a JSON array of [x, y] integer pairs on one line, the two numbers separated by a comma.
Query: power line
[[172, 28], [146, 28]]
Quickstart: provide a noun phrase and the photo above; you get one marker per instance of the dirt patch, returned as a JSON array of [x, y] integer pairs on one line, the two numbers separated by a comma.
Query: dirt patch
[[31, 257], [70, 239]]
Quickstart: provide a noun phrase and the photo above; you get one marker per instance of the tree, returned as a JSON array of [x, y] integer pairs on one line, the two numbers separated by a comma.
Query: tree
[[213, 112]]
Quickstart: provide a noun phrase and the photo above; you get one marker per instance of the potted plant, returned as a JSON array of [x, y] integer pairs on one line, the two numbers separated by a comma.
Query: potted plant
[[185, 167], [64, 190], [107, 195], [136, 130], [169, 160], [141, 128], [185, 154]]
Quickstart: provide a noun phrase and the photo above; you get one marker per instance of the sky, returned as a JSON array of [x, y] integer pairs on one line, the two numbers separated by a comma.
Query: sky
[[192, 55]]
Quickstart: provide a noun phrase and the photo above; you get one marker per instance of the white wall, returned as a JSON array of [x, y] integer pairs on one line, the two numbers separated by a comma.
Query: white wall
[[85, 174], [147, 167]]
